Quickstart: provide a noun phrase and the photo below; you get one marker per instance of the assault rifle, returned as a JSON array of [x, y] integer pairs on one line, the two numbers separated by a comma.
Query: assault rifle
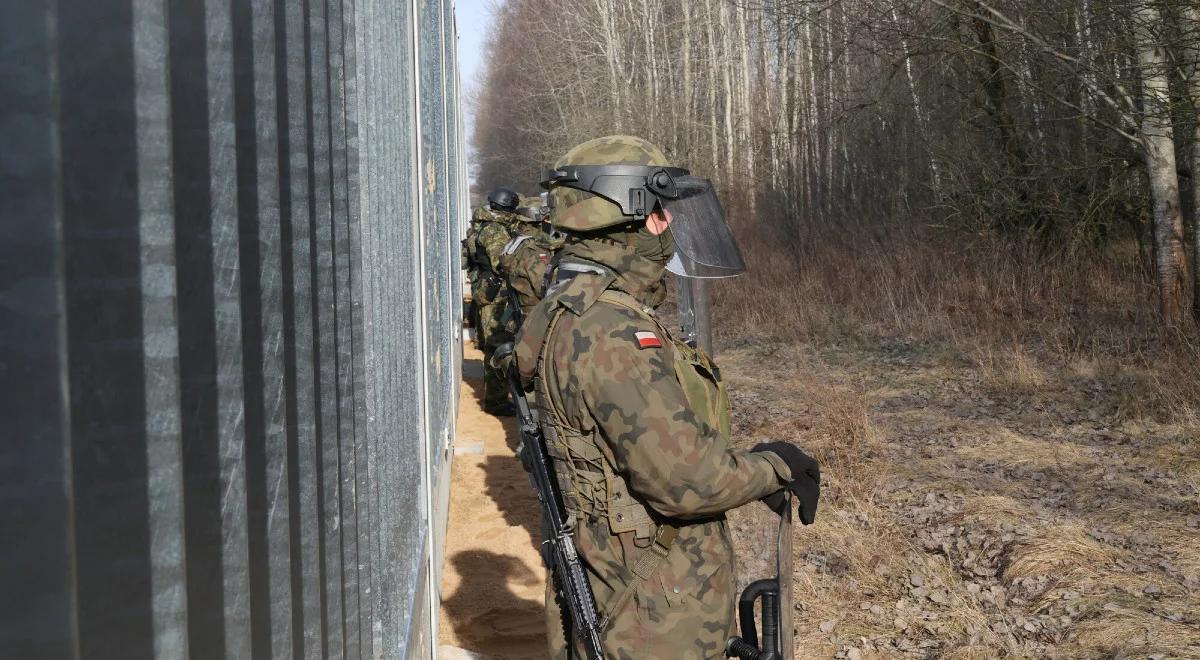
[[571, 585]]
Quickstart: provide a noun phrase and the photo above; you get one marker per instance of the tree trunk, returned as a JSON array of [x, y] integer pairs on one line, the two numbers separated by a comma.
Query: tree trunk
[[746, 124], [711, 114], [1158, 141], [727, 91], [922, 120], [650, 15], [996, 84], [611, 46], [688, 84], [1191, 15]]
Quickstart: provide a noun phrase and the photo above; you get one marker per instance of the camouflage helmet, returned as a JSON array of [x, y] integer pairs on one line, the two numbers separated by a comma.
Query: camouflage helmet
[[530, 209], [576, 210]]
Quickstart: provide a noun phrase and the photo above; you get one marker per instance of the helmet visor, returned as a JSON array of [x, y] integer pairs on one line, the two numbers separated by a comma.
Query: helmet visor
[[705, 246]]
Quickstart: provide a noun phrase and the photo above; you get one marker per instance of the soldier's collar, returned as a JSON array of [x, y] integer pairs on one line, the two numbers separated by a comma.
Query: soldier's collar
[[578, 284], [569, 267], [634, 274]]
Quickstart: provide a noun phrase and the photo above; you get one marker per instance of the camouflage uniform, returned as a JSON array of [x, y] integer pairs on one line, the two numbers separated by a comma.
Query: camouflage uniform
[[637, 426], [495, 324], [527, 263], [474, 262]]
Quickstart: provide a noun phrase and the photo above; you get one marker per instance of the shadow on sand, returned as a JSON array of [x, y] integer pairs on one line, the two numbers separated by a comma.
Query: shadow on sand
[[510, 626]]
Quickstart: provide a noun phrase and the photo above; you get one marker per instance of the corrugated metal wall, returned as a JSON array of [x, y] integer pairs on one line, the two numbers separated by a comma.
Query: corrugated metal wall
[[229, 329]]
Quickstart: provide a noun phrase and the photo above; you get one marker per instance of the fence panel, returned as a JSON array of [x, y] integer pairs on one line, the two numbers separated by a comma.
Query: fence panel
[[228, 328]]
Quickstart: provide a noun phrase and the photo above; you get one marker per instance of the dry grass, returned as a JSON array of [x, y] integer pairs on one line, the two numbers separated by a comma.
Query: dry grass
[[1010, 445], [1016, 311], [1127, 633], [1064, 552], [1012, 369]]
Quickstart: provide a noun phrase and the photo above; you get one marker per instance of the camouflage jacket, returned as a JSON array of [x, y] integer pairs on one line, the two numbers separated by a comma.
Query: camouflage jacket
[[470, 247], [484, 247], [526, 263], [636, 424]]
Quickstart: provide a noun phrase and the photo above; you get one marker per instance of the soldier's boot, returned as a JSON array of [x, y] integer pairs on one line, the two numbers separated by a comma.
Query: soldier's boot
[[495, 393]]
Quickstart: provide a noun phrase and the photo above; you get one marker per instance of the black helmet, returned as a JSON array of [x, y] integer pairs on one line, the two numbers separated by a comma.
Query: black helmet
[[504, 199]]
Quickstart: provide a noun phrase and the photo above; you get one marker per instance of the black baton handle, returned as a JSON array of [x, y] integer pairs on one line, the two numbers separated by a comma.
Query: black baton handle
[[746, 647], [737, 647], [752, 592]]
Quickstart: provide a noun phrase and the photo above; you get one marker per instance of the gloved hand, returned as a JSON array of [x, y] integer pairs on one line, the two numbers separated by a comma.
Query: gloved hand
[[805, 483]]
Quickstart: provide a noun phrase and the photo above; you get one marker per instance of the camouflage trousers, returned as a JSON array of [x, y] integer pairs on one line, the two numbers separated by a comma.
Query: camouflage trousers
[[683, 609], [493, 331]]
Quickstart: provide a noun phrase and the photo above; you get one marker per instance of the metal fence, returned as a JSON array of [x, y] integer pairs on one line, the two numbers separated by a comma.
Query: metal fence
[[229, 326]]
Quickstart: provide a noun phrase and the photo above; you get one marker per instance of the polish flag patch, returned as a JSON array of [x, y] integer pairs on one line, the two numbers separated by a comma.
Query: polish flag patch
[[647, 340]]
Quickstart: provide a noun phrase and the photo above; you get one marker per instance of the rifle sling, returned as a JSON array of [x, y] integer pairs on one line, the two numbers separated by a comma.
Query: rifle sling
[[647, 562]]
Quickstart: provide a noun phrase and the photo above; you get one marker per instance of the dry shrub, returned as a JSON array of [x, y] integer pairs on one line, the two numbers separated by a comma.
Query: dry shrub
[[1012, 369], [1182, 458], [844, 442], [1018, 310], [853, 554], [974, 652], [839, 432]]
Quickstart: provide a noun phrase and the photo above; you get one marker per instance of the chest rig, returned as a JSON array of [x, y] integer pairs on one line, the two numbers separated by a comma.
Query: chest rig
[[591, 488]]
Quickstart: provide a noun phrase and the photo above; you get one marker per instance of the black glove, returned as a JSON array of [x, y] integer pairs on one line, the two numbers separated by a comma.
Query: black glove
[[805, 483]]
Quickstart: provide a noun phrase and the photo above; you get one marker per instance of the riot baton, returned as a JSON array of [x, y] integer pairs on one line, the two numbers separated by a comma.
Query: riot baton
[[695, 313], [775, 595]]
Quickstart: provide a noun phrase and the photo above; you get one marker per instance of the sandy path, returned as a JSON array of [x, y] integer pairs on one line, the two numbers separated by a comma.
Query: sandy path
[[493, 584]]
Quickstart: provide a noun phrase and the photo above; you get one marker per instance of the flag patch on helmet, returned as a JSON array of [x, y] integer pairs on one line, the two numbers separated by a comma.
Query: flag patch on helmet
[[647, 340]]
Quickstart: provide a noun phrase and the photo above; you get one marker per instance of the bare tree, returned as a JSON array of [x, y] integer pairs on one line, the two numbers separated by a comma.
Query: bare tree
[[1158, 139], [1057, 120]]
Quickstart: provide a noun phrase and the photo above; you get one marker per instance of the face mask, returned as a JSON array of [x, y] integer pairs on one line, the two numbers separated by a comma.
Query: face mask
[[658, 249]]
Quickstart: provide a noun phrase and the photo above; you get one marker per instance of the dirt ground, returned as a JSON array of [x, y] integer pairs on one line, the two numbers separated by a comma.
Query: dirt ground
[[979, 508], [493, 583], [972, 508]]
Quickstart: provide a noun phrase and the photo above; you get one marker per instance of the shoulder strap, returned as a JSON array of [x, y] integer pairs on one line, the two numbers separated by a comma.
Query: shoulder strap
[[645, 565], [653, 556], [516, 243], [622, 299], [575, 295]]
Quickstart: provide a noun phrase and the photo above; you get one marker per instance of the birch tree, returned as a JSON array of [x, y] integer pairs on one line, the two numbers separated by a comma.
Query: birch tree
[[1191, 51], [1159, 143], [964, 115]]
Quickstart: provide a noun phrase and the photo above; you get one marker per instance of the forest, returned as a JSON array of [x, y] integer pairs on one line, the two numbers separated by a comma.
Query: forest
[[974, 287], [1069, 123]]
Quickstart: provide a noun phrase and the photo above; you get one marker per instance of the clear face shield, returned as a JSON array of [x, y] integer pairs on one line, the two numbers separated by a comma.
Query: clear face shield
[[705, 246]]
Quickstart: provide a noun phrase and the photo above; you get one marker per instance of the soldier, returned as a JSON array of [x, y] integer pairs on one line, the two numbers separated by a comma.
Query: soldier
[[636, 422], [498, 224], [473, 263], [528, 260]]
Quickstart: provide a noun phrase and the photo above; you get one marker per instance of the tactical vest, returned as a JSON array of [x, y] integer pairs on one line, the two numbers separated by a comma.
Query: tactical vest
[[591, 488]]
